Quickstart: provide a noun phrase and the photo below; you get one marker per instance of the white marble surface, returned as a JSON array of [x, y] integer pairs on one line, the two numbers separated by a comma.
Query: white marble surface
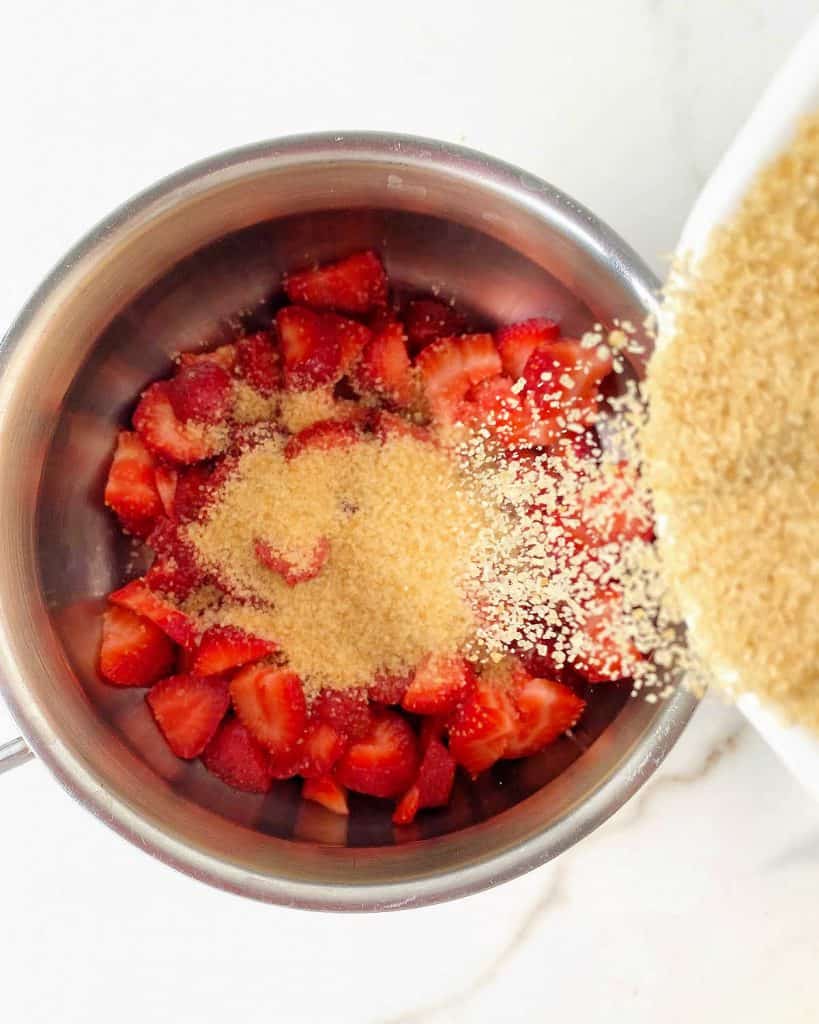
[[697, 901]]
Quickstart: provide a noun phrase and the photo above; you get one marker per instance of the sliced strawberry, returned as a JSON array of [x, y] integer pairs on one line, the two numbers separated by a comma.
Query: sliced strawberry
[[347, 711], [352, 336], [408, 806], [386, 367], [324, 435], [607, 509], [384, 761], [164, 433], [175, 569], [564, 375], [294, 567], [195, 486], [606, 656], [237, 759], [317, 348], [134, 652], [428, 319], [257, 362], [480, 727], [353, 285], [226, 647], [200, 392], [432, 788], [326, 792], [188, 710], [388, 425], [321, 747], [131, 486], [512, 417], [166, 478], [517, 342], [270, 702], [388, 689], [451, 366], [439, 684], [224, 356], [138, 597], [544, 711]]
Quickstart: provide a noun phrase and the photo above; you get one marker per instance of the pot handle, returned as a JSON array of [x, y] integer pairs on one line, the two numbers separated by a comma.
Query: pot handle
[[13, 753]]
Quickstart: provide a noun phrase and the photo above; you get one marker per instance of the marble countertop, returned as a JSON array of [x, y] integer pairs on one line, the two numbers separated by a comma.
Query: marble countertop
[[697, 901]]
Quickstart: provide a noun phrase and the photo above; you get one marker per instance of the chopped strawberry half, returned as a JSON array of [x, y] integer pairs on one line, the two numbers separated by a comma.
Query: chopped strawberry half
[[564, 375], [188, 710], [347, 711], [175, 569], [439, 684], [164, 433], [510, 416], [606, 656], [257, 363], [237, 759], [607, 510], [131, 486], [352, 336], [166, 478], [321, 747], [480, 728], [384, 762], [293, 567], [385, 366], [449, 367], [195, 486], [544, 711], [134, 651], [224, 356], [138, 597], [323, 436], [311, 352], [388, 689], [226, 647], [428, 319], [200, 392], [270, 701], [387, 425], [517, 342], [326, 792], [432, 788], [352, 285]]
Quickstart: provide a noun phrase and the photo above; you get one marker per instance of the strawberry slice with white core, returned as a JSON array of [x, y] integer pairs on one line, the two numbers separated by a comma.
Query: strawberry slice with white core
[[311, 350], [130, 489], [294, 567], [164, 433], [432, 788], [439, 683], [226, 647], [234, 756], [138, 597], [326, 792], [324, 436], [449, 367], [516, 342], [270, 702], [384, 762], [166, 478], [480, 727], [355, 284], [544, 710], [134, 651], [188, 710], [224, 356], [386, 367]]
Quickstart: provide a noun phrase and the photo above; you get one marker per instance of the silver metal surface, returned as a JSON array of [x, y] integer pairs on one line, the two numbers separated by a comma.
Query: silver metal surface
[[14, 753], [167, 272]]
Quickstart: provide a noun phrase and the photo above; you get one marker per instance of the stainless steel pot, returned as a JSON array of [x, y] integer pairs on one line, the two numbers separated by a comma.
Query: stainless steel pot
[[164, 273]]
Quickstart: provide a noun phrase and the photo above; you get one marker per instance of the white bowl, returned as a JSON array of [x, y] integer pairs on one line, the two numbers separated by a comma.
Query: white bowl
[[793, 93]]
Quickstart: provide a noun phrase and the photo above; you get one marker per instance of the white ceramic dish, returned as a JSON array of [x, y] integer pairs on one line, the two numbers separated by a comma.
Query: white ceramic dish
[[793, 93]]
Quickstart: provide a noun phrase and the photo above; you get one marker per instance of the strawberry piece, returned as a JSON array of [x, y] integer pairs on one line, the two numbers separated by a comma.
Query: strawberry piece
[[326, 792], [137, 597], [165, 434], [388, 689], [257, 363], [134, 652], [237, 759], [353, 285], [352, 339], [388, 425], [200, 392], [564, 375], [386, 367], [480, 727], [195, 486], [224, 356], [606, 656], [166, 478], [293, 567], [347, 711], [517, 342], [384, 762], [131, 486], [188, 710], [324, 435], [407, 807], [451, 366], [439, 684], [608, 511], [175, 570], [544, 711], [311, 351], [428, 319], [270, 702], [226, 647], [512, 418], [432, 788], [321, 747]]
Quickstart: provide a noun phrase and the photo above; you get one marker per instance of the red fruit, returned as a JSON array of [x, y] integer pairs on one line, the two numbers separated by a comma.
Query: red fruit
[[175, 569], [194, 489], [164, 433], [388, 689], [138, 597], [166, 478], [544, 711], [188, 711], [480, 727], [347, 711], [428, 319], [352, 285], [270, 702], [257, 362], [352, 339], [564, 375], [294, 567], [407, 807], [432, 788], [321, 747], [439, 683], [237, 759], [327, 792], [324, 435], [134, 652], [387, 425], [131, 486], [512, 418], [200, 392], [607, 510], [224, 356], [517, 342], [607, 655], [311, 354], [384, 761], [226, 647], [451, 366], [386, 367]]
